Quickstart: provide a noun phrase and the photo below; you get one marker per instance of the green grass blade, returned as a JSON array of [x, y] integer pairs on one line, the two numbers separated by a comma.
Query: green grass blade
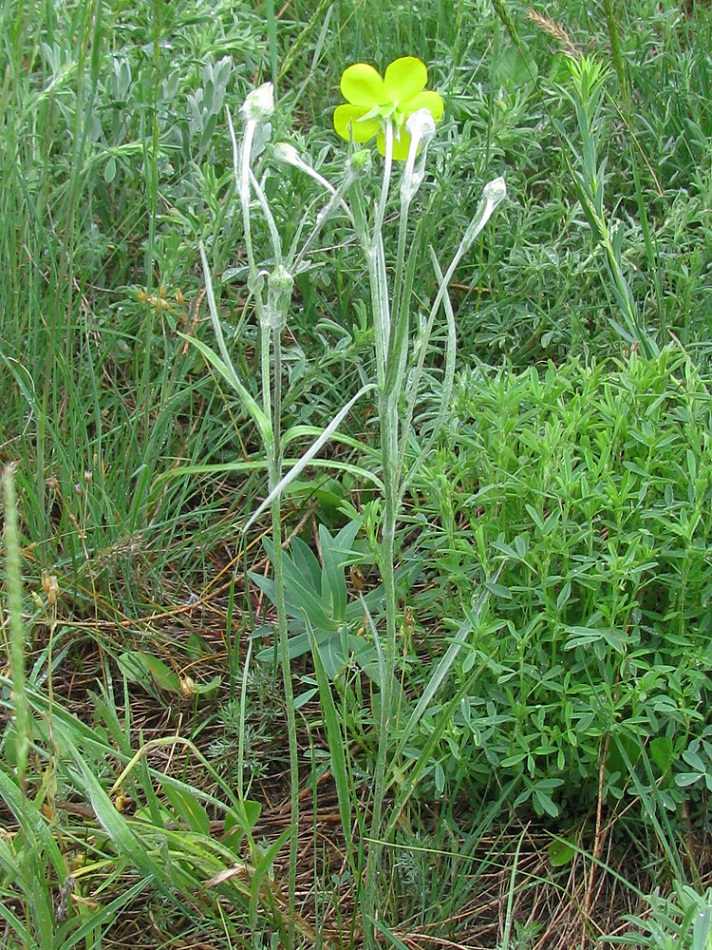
[[336, 742]]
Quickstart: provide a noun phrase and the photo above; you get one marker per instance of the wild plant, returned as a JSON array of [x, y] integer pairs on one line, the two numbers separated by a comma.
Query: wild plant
[[402, 115], [597, 635]]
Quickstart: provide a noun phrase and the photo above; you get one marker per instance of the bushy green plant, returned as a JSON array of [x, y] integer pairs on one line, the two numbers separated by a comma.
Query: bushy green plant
[[317, 597], [592, 484], [680, 921]]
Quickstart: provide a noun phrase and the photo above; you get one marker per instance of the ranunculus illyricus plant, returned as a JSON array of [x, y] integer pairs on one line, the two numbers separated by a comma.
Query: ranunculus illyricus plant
[[373, 101]]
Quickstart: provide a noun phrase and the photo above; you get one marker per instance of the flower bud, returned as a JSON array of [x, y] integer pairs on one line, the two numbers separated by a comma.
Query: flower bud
[[360, 162], [259, 104], [280, 280], [421, 126], [495, 190], [287, 154], [492, 194], [279, 293]]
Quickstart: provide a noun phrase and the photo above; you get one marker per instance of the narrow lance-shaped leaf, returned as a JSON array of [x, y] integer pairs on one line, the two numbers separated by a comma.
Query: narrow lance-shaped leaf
[[224, 365], [308, 455]]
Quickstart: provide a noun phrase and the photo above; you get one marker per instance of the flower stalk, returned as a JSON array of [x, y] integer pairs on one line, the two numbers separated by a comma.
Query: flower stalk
[[403, 117], [391, 316], [272, 317], [401, 114]]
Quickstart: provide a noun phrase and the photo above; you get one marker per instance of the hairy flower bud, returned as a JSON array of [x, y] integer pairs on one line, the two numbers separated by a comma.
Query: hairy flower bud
[[495, 190], [280, 280], [421, 128], [360, 162], [279, 293], [287, 154], [259, 104], [492, 194]]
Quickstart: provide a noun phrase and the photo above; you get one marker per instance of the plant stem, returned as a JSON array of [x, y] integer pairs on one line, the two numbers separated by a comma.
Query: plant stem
[[289, 702], [387, 404], [271, 319], [389, 444]]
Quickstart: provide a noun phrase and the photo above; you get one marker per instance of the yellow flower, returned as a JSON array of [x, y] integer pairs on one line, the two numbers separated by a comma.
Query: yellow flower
[[373, 101]]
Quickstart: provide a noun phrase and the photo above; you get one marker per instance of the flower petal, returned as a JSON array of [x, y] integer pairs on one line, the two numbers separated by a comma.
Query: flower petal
[[404, 78], [401, 145], [362, 85], [432, 101], [346, 123]]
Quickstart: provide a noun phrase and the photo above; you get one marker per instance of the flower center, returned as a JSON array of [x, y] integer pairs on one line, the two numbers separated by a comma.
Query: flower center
[[386, 112], [393, 112]]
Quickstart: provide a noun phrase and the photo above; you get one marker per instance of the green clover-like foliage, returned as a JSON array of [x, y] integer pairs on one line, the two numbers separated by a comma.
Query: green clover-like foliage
[[372, 101]]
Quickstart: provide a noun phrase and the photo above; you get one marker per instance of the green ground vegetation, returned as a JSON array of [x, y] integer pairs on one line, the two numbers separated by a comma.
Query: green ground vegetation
[[189, 758]]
